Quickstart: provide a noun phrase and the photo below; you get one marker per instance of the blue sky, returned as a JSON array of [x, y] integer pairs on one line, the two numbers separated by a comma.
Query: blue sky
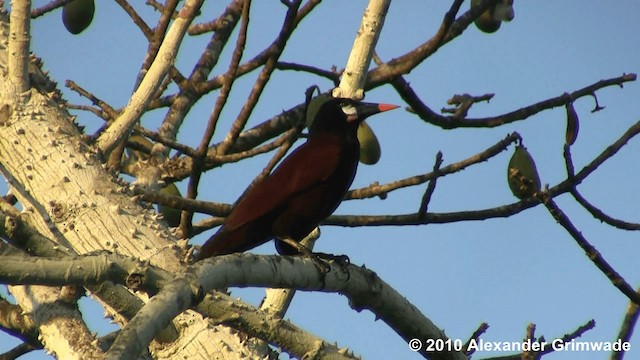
[[507, 272]]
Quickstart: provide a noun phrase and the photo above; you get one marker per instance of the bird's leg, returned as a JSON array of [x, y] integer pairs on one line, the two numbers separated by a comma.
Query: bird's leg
[[342, 260], [322, 266]]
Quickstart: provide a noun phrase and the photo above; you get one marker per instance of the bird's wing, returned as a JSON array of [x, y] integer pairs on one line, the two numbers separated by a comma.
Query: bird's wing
[[309, 165]]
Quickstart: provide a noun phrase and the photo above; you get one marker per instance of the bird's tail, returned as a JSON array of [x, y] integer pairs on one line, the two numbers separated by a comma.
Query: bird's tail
[[219, 243], [228, 242]]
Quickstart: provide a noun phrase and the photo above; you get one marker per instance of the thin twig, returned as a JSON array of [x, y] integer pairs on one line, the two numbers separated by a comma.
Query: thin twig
[[180, 203], [600, 215], [201, 151], [594, 211], [450, 122], [241, 120], [500, 211], [626, 329], [50, 6], [592, 253], [106, 108], [173, 144], [111, 137], [403, 64], [291, 137], [329, 74], [571, 336], [482, 328], [188, 95], [260, 59], [18, 351], [137, 19], [548, 346], [426, 197], [156, 39], [378, 190]]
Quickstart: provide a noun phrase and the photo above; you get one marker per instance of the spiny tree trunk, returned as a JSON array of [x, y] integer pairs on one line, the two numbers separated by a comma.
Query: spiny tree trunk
[[69, 197]]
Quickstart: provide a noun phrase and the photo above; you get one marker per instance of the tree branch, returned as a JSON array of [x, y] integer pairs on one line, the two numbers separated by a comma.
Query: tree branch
[[628, 324], [151, 82], [355, 73], [363, 288], [19, 40], [594, 255], [451, 122]]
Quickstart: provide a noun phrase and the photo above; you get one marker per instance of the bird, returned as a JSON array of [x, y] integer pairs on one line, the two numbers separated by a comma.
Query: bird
[[304, 189]]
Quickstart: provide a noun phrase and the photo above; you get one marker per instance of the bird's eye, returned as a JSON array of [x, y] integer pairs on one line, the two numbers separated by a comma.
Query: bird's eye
[[348, 108]]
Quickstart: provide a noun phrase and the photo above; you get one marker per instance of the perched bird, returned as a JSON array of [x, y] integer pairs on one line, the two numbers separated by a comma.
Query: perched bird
[[304, 189]]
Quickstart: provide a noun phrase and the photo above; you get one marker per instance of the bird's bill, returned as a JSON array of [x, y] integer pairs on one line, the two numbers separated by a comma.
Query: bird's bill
[[387, 107], [367, 109]]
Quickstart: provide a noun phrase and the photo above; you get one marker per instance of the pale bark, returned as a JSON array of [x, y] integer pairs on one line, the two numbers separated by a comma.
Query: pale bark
[[355, 73], [69, 197], [116, 133]]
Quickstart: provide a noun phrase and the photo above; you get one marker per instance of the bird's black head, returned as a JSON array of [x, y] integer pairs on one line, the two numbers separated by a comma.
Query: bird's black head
[[341, 115]]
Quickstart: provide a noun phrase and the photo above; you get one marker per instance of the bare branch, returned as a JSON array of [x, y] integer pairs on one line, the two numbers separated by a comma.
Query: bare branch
[[450, 122], [18, 351], [601, 215], [626, 329], [106, 108], [364, 289], [593, 254], [380, 190], [14, 321], [329, 74], [241, 120], [158, 70], [501, 211], [157, 38], [426, 197], [355, 73], [482, 328], [182, 102], [573, 335], [221, 101], [449, 30], [137, 19], [52, 5], [19, 40]]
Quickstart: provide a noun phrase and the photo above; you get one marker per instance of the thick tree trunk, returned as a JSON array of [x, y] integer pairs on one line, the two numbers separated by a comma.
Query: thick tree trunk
[[68, 196]]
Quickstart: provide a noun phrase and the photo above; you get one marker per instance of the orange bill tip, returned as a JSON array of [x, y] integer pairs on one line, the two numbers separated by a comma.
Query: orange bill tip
[[387, 107]]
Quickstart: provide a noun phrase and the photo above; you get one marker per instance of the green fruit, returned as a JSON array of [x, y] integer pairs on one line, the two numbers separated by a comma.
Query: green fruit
[[77, 15], [171, 215], [573, 125], [369, 145], [486, 23], [489, 21], [522, 174]]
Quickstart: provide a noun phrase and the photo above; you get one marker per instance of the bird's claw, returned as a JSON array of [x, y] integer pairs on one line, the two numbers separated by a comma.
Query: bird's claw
[[342, 260], [321, 264], [322, 261]]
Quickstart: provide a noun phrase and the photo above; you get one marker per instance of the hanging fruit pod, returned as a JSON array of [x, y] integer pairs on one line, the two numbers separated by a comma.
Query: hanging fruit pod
[[522, 174]]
